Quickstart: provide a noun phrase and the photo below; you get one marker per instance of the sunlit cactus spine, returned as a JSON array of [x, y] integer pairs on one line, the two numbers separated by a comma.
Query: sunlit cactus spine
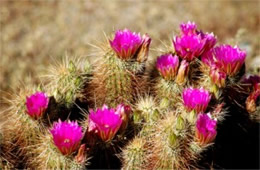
[[119, 74]]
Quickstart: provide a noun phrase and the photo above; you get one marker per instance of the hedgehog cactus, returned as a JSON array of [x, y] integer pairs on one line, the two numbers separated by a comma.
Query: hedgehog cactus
[[107, 117], [119, 75]]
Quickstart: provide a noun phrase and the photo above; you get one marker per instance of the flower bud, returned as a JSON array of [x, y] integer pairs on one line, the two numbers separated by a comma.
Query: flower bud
[[182, 72], [142, 53], [252, 99], [218, 77], [81, 155]]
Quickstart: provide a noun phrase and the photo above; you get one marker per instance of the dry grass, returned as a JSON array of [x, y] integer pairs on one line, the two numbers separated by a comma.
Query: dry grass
[[35, 33]]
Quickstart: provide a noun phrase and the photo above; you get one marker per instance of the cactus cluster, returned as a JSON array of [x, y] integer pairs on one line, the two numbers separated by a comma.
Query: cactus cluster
[[119, 114]]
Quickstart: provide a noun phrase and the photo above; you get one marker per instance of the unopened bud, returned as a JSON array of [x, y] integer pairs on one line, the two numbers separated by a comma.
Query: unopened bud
[[182, 72], [251, 100], [218, 77], [180, 123], [172, 139], [142, 54], [81, 156]]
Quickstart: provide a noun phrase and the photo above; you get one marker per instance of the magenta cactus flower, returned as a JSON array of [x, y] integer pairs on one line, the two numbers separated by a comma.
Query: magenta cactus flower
[[205, 129], [36, 104], [168, 65], [188, 28], [66, 136], [196, 99], [210, 40], [226, 58], [189, 47], [192, 43], [106, 122], [127, 43]]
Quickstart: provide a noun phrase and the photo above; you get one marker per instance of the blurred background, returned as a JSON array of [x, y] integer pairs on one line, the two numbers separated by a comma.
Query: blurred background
[[35, 34]]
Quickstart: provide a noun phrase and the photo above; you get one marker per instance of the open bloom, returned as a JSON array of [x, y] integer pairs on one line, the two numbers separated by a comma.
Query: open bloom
[[106, 122], [192, 43], [36, 104], [196, 99], [168, 65], [188, 28], [226, 58], [66, 136], [128, 44], [205, 129]]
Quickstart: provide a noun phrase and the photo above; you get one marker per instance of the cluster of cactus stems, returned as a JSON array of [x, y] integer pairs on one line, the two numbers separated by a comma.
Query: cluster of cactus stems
[[118, 114]]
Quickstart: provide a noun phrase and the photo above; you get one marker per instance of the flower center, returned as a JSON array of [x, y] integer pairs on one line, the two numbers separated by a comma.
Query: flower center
[[66, 141]]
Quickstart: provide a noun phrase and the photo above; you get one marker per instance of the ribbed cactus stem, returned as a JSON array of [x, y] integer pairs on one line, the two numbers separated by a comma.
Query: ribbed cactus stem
[[133, 154], [167, 91], [117, 81], [170, 143]]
